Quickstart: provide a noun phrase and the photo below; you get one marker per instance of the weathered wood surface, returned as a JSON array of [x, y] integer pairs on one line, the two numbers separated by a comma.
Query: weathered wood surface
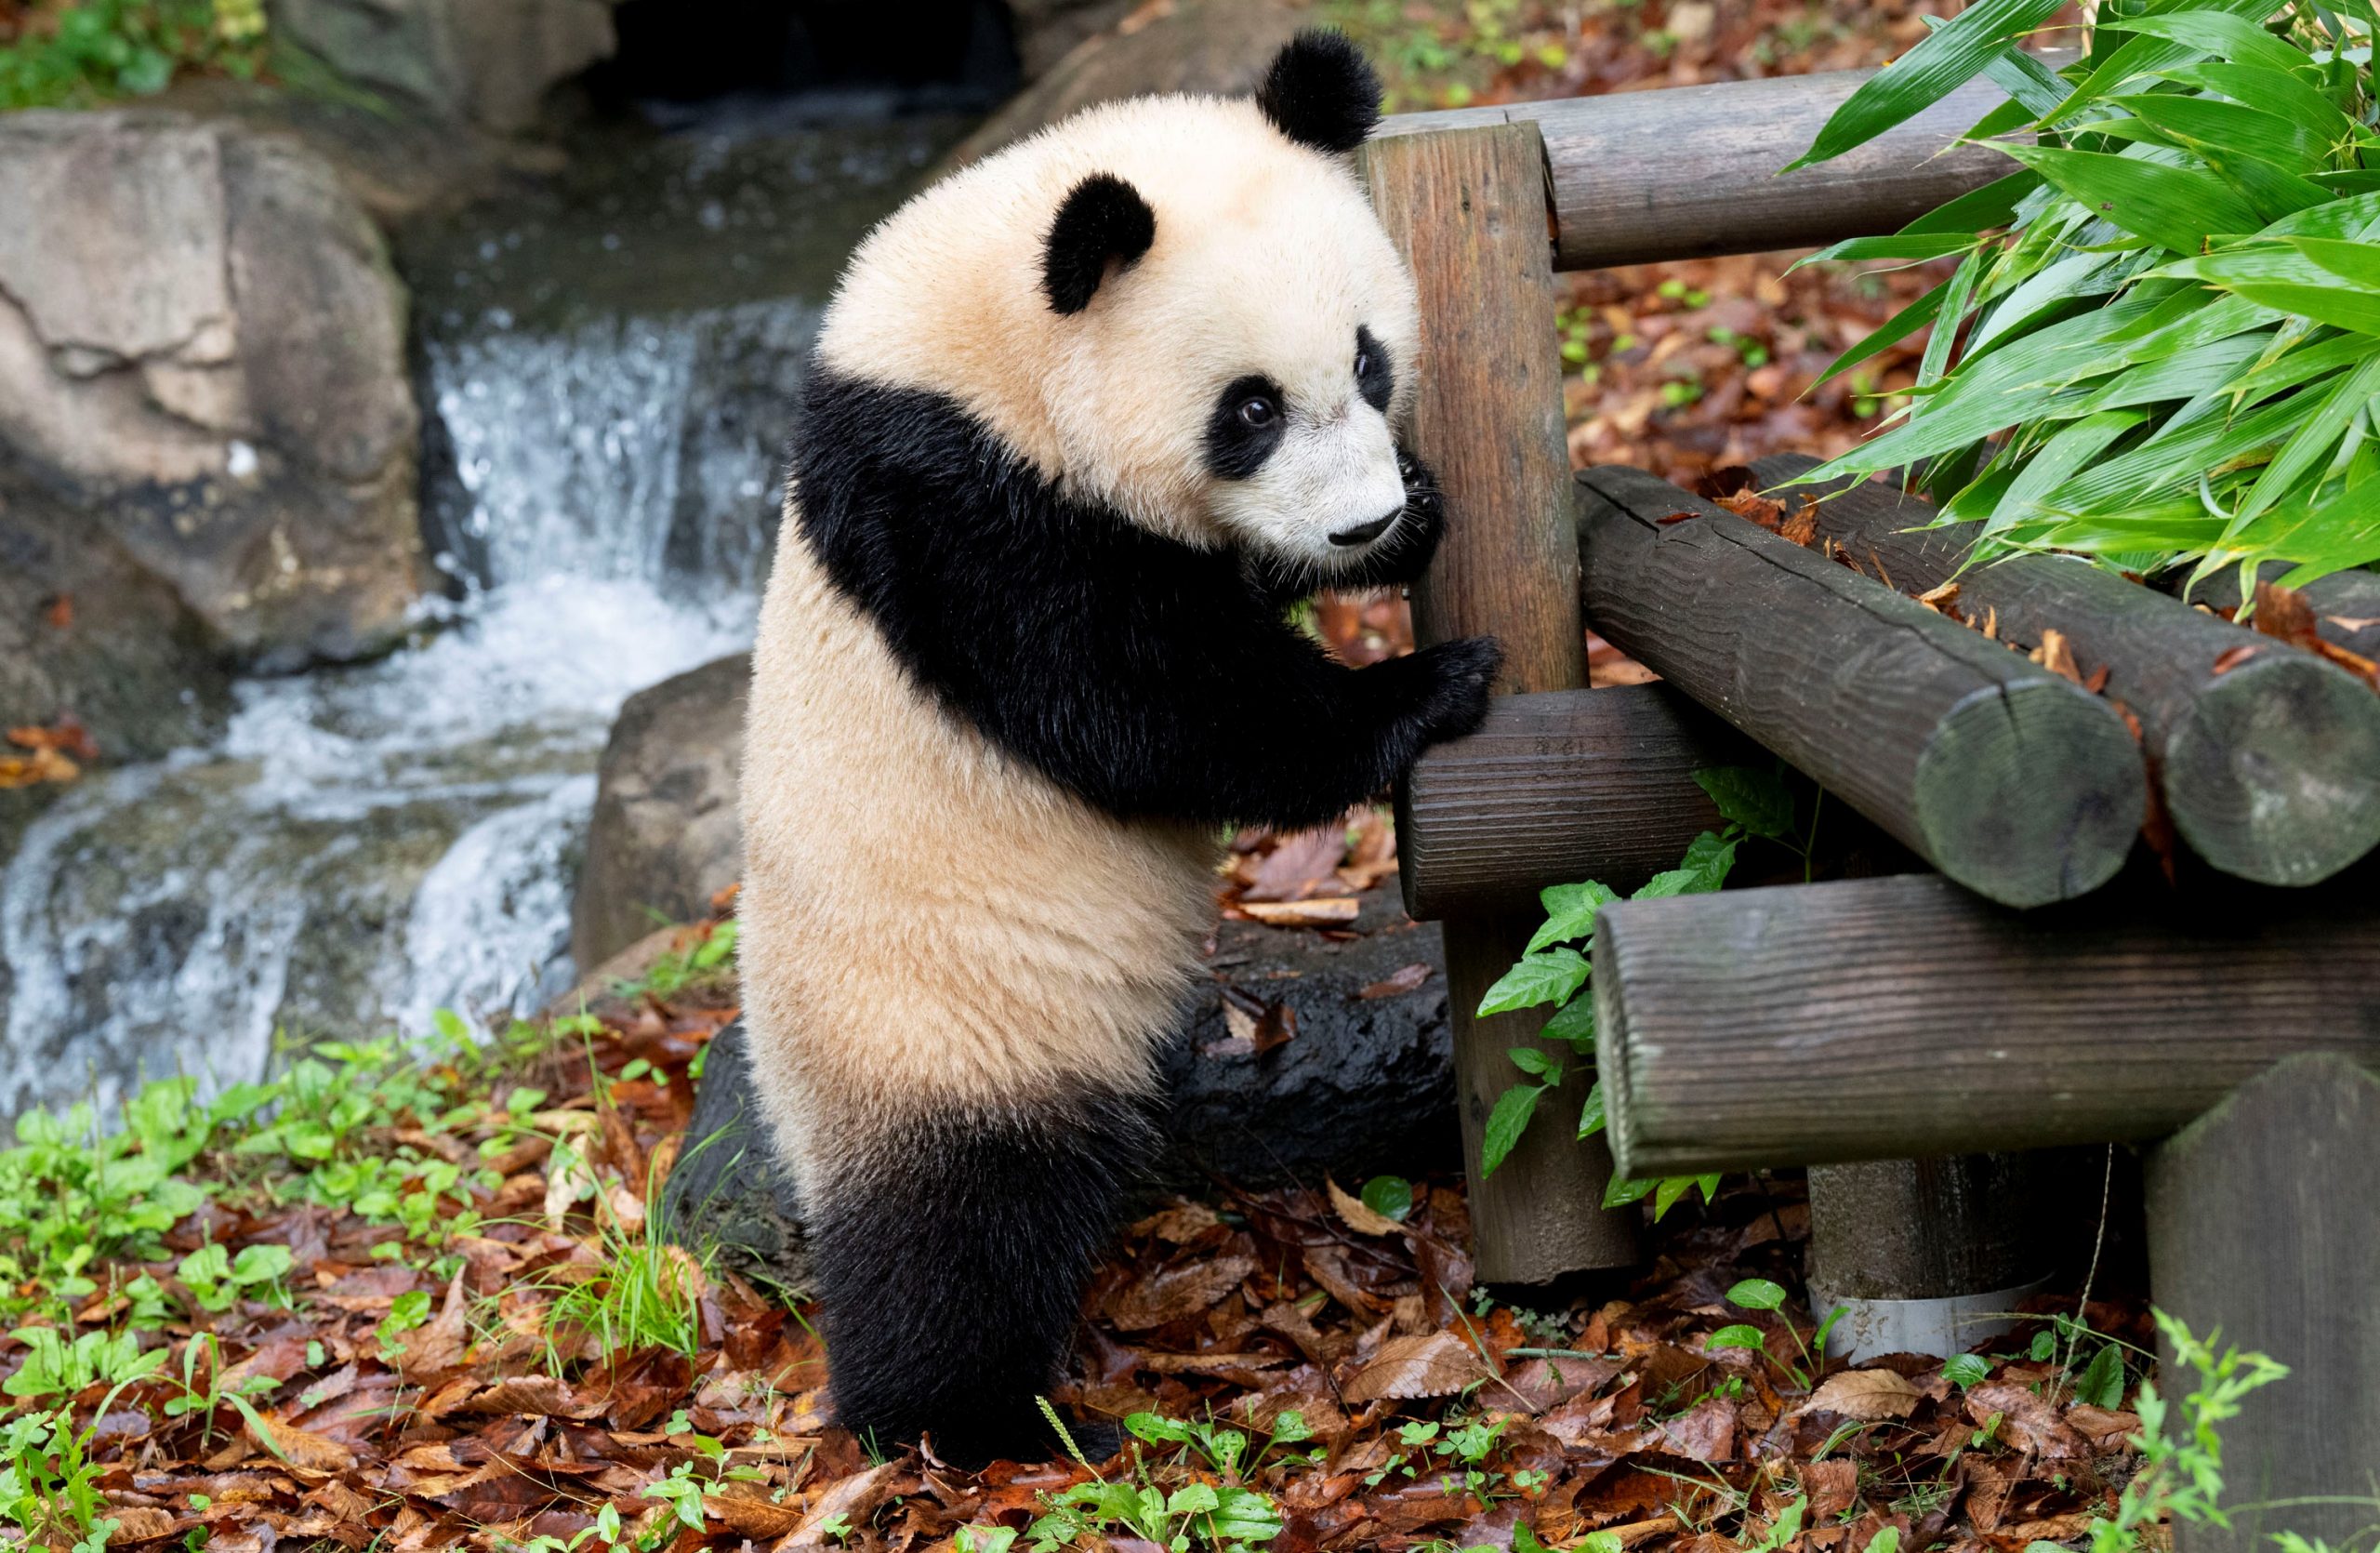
[[1557, 787], [2268, 758], [1468, 209], [1893, 1018], [2261, 1223], [2345, 604], [2016, 783], [1692, 170]]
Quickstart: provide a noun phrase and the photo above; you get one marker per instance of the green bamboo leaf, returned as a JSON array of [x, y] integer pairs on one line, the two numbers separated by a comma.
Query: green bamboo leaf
[[2318, 436], [2287, 277], [2274, 91], [1899, 327], [2356, 263], [1853, 251], [2183, 375], [2341, 531], [2055, 290], [2181, 525], [1994, 205], [1956, 301], [1943, 61], [2226, 34], [2060, 459], [2174, 208], [2211, 121], [2114, 65], [1506, 1123], [2031, 85], [2173, 457], [2356, 215]]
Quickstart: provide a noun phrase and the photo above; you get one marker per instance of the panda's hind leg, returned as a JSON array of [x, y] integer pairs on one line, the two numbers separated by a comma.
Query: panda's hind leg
[[950, 1252]]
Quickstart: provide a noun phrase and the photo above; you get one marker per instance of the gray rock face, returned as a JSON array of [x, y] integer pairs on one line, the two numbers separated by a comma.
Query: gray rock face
[[665, 837], [87, 633], [486, 62], [1365, 1085], [1220, 46], [202, 345]]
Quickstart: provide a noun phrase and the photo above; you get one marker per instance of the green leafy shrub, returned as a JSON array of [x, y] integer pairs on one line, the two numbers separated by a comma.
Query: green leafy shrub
[[2160, 345], [72, 55]]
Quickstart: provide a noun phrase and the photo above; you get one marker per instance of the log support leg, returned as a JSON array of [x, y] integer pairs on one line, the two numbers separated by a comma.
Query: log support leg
[[1926, 1255], [2262, 1222]]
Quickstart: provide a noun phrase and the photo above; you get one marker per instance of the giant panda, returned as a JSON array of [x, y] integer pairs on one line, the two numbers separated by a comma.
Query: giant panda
[[1082, 421]]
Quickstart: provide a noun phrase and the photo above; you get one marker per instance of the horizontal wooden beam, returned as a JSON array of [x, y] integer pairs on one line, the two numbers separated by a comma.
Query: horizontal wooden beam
[[2345, 604], [1903, 1017], [2015, 782], [2268, 758], [1557, 787], [1689, 171]]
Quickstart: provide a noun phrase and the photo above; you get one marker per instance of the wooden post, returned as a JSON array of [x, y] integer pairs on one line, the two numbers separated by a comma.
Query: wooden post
[[1927, 1256], [2261, 1223], [1468, 207]]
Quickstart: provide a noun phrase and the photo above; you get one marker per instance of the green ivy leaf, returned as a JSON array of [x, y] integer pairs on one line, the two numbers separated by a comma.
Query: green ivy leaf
[[1391, 1196], [1756, 1294], [1548, 976], [1570, 913], [1746, 795], [1512, 1111]]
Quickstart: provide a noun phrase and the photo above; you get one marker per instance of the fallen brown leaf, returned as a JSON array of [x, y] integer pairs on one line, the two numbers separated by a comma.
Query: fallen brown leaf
[[1407, 978], [1170, 1293], [1435, 1365], [1869, 1396], [1361, 1219], [1326, 912], [2026, 1421], [2231, 658]]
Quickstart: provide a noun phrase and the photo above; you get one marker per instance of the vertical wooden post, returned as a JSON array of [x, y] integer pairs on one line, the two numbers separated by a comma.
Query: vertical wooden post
[[1468, 209], [2261, 1222], [1928, 1256]]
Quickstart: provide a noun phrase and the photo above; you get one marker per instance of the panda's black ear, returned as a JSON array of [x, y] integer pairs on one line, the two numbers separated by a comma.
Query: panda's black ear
[[1320, 91], [1102, 218]]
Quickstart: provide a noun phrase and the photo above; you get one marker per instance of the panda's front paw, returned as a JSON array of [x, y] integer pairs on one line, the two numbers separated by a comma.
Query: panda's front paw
[[1461, 676]]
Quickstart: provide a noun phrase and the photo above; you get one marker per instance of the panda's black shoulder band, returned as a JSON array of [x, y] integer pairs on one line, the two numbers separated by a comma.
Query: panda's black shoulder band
[[1102, 218], [1320, 91]]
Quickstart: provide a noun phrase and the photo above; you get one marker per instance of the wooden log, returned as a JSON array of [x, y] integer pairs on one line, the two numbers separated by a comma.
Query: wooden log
[[1468, 209], [2261, 1223], [1557, 787], [1692, 170], [2345, 604], [2268, 758], [2013, 782], [1891, 1018]]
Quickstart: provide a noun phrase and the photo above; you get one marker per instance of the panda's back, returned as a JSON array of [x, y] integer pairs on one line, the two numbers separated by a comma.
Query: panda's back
[[924, 918]]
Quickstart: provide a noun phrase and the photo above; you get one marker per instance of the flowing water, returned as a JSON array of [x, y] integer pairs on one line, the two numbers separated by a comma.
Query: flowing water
[[604, 368]]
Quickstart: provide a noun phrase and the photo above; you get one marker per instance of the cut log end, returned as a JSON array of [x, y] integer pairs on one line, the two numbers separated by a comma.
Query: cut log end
[[2276, 778], [2028, 793]]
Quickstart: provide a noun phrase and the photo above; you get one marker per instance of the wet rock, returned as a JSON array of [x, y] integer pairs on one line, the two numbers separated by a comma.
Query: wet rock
[[484, 62], [1365, 1085], [665, 837], [1189, 45], [202, 348]]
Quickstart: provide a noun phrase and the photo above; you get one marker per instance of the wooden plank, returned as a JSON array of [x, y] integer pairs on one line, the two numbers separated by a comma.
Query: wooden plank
[[1468, 209], [1892, 1018], [2013, 782], [1691, 170], [2261, 1223], [2268, 758], [1557, 787], [2345, 604]]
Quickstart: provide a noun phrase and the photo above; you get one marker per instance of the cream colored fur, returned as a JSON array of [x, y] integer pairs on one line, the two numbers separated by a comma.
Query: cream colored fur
[[927, 923]]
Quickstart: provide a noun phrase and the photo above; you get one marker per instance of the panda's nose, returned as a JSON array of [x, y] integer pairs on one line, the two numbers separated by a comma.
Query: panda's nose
[[1363, 533]]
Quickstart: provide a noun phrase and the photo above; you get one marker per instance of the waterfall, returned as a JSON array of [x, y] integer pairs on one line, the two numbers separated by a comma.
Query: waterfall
[[366, 845]]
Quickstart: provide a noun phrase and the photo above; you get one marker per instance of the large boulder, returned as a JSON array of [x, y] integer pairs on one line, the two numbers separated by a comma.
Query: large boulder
[[484, 62], [1220, 46], [1363, 1084], [202, 346], [87, 634], [665, 838]]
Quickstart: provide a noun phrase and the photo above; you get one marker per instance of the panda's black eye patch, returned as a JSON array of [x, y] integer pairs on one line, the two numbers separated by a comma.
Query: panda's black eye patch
[[1375, 372], [1246, 425]]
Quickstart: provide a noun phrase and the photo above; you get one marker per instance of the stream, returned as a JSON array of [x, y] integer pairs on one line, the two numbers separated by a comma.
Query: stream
[[605, 369]]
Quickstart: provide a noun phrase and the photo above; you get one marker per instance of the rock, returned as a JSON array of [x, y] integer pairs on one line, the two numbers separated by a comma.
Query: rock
[[1364, 1087], [87, 633], [484, 62], [1163, 46], [1047, 30], [202, 346], [665, 836]]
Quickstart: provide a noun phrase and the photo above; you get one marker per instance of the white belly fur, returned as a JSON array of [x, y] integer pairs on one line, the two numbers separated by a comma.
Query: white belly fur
[[927, 924]]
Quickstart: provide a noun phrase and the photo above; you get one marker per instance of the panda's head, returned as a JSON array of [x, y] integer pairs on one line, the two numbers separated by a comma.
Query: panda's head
[[1232, 336]]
